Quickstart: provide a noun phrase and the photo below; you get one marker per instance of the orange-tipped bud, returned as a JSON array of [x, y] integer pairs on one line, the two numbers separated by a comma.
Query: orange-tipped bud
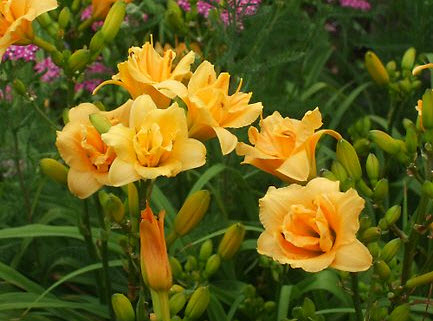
[[155, 266]]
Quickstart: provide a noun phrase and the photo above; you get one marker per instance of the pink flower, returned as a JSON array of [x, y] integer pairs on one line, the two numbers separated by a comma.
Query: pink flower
[[363, 5], [48, 70], [184, 4], [87, 13], [26, 53], [6, 94]]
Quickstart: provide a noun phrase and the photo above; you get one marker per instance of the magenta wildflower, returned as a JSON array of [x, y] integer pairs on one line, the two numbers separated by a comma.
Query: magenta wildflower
[[26, 53], [6, 93], [184, 4], [87, 13], [94, 75], [243, 8], [363, 5], [88, 85], [48, 70]]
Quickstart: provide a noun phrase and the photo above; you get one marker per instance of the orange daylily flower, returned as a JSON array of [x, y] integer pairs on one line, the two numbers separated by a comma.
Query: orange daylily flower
[[100, 8]]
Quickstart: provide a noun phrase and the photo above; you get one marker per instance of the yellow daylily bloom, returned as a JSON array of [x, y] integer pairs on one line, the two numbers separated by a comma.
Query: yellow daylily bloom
[[211, 109], [16, 18], [156, 143], [285, 147], [100, 8], [83, 150], [146, 72], [313, 227]]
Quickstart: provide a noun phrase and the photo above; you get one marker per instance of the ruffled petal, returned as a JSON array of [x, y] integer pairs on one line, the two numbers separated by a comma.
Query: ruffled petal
[[82, 184], [353, 257], [122, 173]]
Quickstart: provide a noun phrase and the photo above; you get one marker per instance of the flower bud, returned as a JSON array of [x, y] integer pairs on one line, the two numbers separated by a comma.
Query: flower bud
[[174, 17], [372, 167], [400, 313], [191, 263], [347, 156], [339, 171], [64, 18], [383, 224], [101, 123], [393, 214], [192, 212], [113, 21], [141, 312], [206, 250], [371, 234], [408, 59], [112, 206], [381, 190], [427, 189], [390, 250], [45, 20], [177, 302], [362, 146], [176, 267], [97, 43], [374, 249], [176, 288], [329, 175], [411, 140], [364, 223], [122, 307], [212, 265], [426, 278], [427, 109], [65, 115], [363, 188], [54, 170], [198, 303], [376, 69], [270, 306], [382, 269], [231, 241], [391, 67], [385, 142], [19, 87], [78, 60]]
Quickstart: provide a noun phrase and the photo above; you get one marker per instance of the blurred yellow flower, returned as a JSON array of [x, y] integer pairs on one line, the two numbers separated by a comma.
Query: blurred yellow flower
[[285, 147], [16, 18], [211, 109], [418, 108], [100, 8], [313, 227], [80, 145], [156, 143], [146, 72], [155, 266]]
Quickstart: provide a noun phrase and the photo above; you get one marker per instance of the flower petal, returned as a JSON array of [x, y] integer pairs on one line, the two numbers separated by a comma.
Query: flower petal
[[122, 173], [121, 139], [296, 167], [227, 140], [190, 152], [353, 257], [82, 184]]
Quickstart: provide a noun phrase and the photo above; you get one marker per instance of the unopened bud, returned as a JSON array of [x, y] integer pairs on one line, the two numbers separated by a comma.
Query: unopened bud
[[176, 288], [372, 167], [79, 59], [362, 146], [19, 87], [400, 313], [329, 175], [122, 307], [100, 122], [393, 214], [376, 69], [65, 115], [385, 142], [212, 265], [427, 109], [231, 241], [390, 250], [339, 171], [364, 223], [198, 303], [176, 267], [45, 20], [391, 67], [427, 189], [64, 18], [177, 302], [54, 170], [347, 156], [192, 212], [408, 59], [113, 21], [374, 249], [382, 269], [371, 234], [411, 140], [363, 188], [191, 263], [97, 43], [206, 250], [381, 190], [426, 278], [270, 306], [112, 206]]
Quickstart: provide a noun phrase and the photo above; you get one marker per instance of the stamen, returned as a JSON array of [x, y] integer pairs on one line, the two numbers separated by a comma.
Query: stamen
[[418, 69]]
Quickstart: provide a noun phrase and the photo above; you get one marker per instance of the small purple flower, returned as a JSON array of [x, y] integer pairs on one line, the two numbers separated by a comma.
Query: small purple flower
[[6, 94], [48, 70], [87, 13], [88, 85], [97, 25], [204, 7], [363, 5], [184, 4], [26, 53], [98, 68], [92, 76]]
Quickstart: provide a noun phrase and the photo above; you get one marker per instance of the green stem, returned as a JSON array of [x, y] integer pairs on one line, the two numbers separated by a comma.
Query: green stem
[[24, 191], [41, 43], [171, 237], [160, 305], [356, 298], [42, 114], [104, 257]]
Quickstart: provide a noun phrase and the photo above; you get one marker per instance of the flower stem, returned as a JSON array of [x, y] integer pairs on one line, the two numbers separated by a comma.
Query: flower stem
[[356, 298], [86, 24], [160, 305]]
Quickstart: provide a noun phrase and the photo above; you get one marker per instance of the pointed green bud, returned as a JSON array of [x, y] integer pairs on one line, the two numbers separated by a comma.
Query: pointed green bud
[[383, 224], [270, 306], [427, 189], [381, 190], [113, 21], [79, 60], [363, 188], [191, 263], [112, 206], [382, 269], [64, 18], [362, 146], [427, 109], [65, 115], [426, 278], [122, 307], [192, 212], [391, 67], [393, 214], [198, 303], [19, 87], [338, 171], [376, 69], [411, 140], [177, 302], [364, 223], [372, 167], [400, 313], [385, 142], [347, 156], [347, 184], [390, 249], [371, 234], [45, 20], [212, 265], [408, 59], [231, 241], [176, 267], [54, 170], [100, 122], [206, 250], [97, 43], [374, 249]]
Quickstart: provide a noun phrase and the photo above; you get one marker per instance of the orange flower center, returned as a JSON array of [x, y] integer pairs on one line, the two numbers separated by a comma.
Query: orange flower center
[[100, 155], [151, 147]]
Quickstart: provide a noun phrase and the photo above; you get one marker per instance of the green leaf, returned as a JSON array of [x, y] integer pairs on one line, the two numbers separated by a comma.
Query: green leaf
[[215, 310], [14, 277], [284, 301], [206, 177], [163, 203]]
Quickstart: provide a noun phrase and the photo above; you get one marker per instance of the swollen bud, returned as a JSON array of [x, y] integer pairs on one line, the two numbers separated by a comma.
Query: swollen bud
[[426, 278], [192, 212], [64, 18], [385, 142], [177, 302], [78, 60], [427, 189], [198, 303], [390, 250], [113, 21], [212, 265], [97, 43], [393, 214], [382, 269], [339, 171], [112, 206], [411, 140], [427, 109], [408, 59], [19, 87], [347, 156], [329, 175], [381, 190], [231, 241], [371, 234], [54, 170], [372, 167], [376, 69], [400, 313], [191, 263], [100, 122], [122, 307], [176, 267], [206, 250]]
